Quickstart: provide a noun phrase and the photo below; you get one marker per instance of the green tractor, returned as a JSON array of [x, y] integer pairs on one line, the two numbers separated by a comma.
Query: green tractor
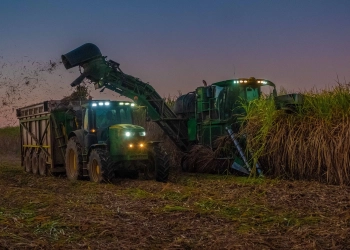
[[108, 144]]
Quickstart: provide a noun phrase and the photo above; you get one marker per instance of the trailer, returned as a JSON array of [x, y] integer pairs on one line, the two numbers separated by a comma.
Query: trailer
[[43, 129]]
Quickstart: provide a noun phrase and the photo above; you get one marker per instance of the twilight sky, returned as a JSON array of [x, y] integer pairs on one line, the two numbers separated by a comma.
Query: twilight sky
[[175, 44]]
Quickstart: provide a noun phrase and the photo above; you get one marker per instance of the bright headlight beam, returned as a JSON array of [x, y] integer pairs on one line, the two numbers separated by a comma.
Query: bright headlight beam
[[127, 134]]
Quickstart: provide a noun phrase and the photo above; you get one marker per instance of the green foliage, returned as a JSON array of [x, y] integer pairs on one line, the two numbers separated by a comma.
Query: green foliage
[[138, 193], [81, 92], [10, 141], [311, 143], [9, 132]]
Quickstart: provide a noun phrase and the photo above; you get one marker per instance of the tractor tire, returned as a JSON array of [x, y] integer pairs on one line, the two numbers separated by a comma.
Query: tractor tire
[[42, 164], [158, 164], [100, 166], [74, 159], [27, 162], [35, 163]]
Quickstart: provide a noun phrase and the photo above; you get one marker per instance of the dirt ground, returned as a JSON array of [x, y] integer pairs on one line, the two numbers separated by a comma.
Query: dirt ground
[[191, 211]]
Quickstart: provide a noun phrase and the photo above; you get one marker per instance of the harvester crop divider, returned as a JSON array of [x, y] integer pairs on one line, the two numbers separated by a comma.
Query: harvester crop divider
[[247, 169]]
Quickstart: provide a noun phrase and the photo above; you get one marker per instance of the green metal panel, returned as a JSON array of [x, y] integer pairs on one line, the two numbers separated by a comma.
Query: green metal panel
[[202, 99], [115, 141], [192, 129]]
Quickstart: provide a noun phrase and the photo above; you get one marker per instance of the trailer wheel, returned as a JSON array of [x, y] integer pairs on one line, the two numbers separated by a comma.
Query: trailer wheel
[[28, 162], [73, 159], [158, 164], [100, 166], [42, 164], [35, 163]]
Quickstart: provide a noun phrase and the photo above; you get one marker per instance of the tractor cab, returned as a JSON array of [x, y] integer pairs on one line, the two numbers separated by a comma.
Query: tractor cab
[[110, 124], [100, 115]]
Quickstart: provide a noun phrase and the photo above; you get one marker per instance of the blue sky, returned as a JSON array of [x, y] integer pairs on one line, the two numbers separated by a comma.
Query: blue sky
[[175, 44]]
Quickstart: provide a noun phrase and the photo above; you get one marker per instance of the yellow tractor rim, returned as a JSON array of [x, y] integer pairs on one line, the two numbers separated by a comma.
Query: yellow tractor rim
[[96, 169], [72, 160]]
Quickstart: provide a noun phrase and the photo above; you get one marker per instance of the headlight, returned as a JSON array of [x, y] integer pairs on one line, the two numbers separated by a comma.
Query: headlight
[[129, 134], [142, 133]]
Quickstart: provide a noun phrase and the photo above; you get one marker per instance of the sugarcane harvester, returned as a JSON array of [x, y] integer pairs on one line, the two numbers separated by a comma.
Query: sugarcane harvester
[[199, 117]]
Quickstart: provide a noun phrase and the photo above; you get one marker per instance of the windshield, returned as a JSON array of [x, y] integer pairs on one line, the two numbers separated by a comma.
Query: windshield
[[108, 117], [229, 99]]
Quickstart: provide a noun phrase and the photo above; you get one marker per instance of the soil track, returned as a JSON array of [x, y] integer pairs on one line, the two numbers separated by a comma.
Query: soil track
[[189, 212]]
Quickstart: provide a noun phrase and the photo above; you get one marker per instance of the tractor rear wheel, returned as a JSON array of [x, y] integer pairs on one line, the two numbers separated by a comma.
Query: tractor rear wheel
[[28, 162], [100, 166], [74, 159], [35, 163], [42, 164], [158, 164]]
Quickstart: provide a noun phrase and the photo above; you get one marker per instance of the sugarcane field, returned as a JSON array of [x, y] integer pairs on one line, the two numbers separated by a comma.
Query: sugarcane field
[[300, 201], [174, 125]]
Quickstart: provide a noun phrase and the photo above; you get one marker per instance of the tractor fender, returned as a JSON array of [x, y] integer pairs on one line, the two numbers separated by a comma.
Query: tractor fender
[[154, 142], [94, 146], [79, 134]]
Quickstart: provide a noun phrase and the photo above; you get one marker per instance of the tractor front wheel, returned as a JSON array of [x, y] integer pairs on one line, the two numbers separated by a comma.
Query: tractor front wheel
[[158, 164], [73, 159], [100, 166]]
